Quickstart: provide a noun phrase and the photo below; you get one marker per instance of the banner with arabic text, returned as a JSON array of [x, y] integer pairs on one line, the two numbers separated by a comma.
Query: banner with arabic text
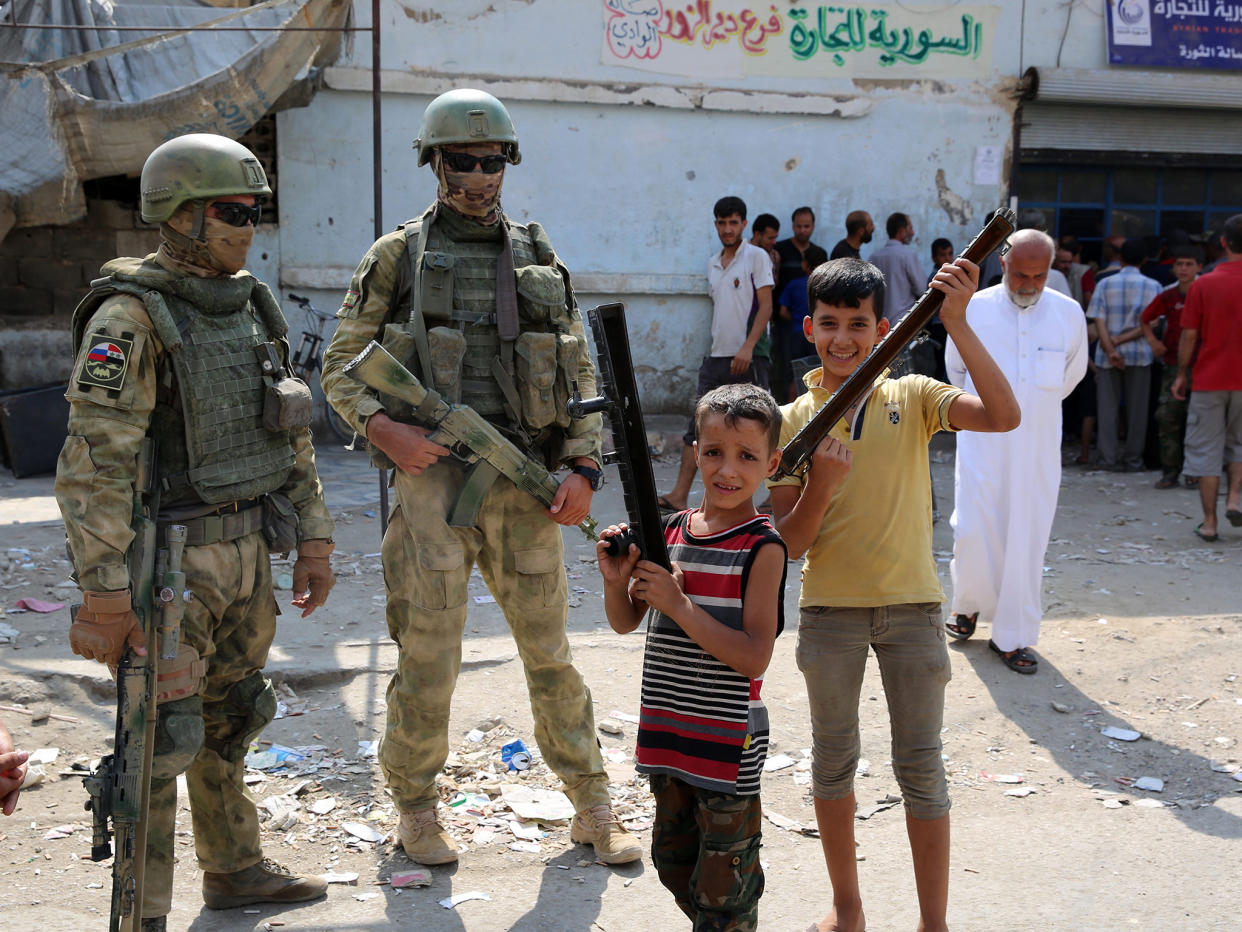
[[1175, 33], [736, 38]]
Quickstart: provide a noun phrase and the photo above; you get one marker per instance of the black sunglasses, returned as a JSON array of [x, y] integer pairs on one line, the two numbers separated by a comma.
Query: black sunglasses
[[465, 162], [238, 215]]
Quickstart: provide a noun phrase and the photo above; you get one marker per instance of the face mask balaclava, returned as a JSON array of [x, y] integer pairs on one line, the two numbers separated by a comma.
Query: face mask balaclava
[[221, 250], [472, 194]]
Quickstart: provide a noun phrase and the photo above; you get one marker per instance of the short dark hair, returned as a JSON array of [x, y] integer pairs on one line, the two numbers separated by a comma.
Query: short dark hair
[[1188, 252], [815, 256], [845, 283], [728, 206], [940, 243], [895, 224], [1232, 232], [1070, 242], [739, 400], [1133, 252], [856, 222], [803, 210], [1032, 218], [765, 222]]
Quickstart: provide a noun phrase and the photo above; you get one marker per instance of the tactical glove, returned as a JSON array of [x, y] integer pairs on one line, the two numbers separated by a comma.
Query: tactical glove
[[106, 623], [312, 574]]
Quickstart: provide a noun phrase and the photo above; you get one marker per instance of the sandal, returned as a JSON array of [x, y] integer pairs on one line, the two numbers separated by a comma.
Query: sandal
[[962, 626], [1235, 516], [1020, 660], [665, 506], [1209, 538], [1167, 481]]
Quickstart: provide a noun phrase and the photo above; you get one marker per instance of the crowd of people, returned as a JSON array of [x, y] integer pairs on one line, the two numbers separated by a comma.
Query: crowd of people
[[185, 348]]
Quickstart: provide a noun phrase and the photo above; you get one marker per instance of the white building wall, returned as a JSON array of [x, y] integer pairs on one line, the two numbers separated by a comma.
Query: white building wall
[[622, 166]]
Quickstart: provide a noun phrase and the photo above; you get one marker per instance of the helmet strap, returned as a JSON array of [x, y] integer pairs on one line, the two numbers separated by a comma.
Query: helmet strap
[[200, 216]]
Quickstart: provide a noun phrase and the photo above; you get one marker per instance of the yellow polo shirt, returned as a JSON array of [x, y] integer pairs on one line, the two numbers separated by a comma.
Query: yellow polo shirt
[[874, 546]]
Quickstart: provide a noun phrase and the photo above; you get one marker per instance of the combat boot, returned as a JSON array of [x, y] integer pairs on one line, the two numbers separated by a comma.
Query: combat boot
[[155, 924], [265, 882], [600, 828], [424, 839]]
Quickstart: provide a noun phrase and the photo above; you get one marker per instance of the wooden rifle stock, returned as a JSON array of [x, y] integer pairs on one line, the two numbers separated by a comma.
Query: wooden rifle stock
[[796, 456]]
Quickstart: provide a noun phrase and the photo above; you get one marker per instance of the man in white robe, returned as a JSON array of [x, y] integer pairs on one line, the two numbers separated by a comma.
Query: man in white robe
[[1006, 485]]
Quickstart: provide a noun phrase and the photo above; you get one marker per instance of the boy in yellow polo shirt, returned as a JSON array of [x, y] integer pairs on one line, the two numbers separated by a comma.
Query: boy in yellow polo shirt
[[862, 515]]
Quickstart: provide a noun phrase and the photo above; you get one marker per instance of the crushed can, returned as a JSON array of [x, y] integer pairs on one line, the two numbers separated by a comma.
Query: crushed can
[[515, 755]]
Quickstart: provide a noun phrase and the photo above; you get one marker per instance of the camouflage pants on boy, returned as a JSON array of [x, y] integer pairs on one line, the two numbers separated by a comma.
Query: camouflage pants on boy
[[705, 847], [1171, 423], [427, 568]]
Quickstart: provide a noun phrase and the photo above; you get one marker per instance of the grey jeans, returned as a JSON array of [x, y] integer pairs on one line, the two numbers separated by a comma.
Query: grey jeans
[[1112, 385], [909, 643]]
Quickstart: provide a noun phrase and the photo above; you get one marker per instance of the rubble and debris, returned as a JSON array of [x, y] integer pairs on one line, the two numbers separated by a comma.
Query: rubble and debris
[[417, 878], [451, 902]]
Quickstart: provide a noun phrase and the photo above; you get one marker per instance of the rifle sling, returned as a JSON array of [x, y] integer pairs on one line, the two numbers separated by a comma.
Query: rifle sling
[[479, 479]]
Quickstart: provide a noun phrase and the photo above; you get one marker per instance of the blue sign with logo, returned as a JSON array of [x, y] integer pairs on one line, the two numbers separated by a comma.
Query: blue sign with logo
[[1175, 33]]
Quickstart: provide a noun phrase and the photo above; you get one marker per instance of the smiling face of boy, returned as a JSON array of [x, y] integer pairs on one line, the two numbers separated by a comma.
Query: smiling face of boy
[[843, 337]]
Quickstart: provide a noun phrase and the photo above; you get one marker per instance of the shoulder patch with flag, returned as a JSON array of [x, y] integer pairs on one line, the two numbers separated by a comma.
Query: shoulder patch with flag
[[107, 360]]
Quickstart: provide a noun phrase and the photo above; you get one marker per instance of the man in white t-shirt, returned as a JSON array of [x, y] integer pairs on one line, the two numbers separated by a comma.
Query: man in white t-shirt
[[739, 280]]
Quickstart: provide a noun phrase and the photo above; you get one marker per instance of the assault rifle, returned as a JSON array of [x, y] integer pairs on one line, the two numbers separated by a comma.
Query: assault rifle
[[120, 787], [619, 398], [471, 439], [796, 458]]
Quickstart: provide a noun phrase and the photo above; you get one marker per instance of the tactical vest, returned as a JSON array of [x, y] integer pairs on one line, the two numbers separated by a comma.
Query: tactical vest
[[451, 338], [208, 418]]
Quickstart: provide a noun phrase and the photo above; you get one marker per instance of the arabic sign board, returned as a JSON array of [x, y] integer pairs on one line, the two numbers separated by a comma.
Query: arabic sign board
[[1175, 33], [738, 38]]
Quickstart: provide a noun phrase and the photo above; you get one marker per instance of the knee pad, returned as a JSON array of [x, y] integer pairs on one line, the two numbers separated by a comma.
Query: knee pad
[[246, 710], [178, 736]]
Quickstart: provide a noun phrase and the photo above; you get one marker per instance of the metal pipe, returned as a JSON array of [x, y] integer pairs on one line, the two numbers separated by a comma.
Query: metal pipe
[[377, 170], [161, 30]]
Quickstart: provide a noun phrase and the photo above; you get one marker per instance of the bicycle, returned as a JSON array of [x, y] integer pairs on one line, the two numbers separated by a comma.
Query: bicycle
[[308, 359]]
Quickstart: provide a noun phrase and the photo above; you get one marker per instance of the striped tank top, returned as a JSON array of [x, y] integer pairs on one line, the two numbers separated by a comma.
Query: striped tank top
[[701, 721]]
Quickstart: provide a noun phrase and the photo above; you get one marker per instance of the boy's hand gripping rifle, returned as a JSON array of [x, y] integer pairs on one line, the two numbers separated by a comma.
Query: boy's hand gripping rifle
[[796, 457], [120, 787], [473, 440], [619, 399]]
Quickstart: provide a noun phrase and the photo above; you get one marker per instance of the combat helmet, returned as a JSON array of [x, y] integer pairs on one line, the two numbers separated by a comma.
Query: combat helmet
[[197, 167], [466, 115]]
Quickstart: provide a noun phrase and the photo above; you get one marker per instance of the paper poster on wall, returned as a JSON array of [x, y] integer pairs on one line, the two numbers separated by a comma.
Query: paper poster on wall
[[988, 165], [736, 38], [1175, 33]]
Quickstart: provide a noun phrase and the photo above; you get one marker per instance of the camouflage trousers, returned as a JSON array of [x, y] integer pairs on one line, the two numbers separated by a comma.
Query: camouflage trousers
[[231, 622], [427, 568], [705, 847], [1170, 420]]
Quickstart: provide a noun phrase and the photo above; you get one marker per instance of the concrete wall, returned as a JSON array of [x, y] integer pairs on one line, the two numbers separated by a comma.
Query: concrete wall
[[622, 166]]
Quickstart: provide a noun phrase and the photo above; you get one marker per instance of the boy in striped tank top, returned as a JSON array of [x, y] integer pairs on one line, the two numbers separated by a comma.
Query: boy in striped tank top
[[703, 732]]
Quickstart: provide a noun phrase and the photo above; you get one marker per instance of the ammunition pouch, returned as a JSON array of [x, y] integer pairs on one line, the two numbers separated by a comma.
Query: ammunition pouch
[[535, 359], [280, 523], [179, 735], [447, 348], [247, 709], [287, 401], [541, 295], [287, 405]]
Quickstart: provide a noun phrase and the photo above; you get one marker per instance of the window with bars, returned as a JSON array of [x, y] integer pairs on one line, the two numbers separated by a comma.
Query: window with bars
[[1093, 203]]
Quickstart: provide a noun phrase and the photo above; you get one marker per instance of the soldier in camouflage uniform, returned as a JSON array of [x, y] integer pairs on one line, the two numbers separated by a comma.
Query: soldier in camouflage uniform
[[481, 309], [185, 347]]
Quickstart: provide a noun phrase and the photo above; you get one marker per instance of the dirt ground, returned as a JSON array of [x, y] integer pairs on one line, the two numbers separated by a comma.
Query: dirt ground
[[1142, 631]]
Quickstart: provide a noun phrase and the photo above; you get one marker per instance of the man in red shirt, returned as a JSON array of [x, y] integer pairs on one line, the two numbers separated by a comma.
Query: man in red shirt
[[1170, 411], [1213, 317]]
